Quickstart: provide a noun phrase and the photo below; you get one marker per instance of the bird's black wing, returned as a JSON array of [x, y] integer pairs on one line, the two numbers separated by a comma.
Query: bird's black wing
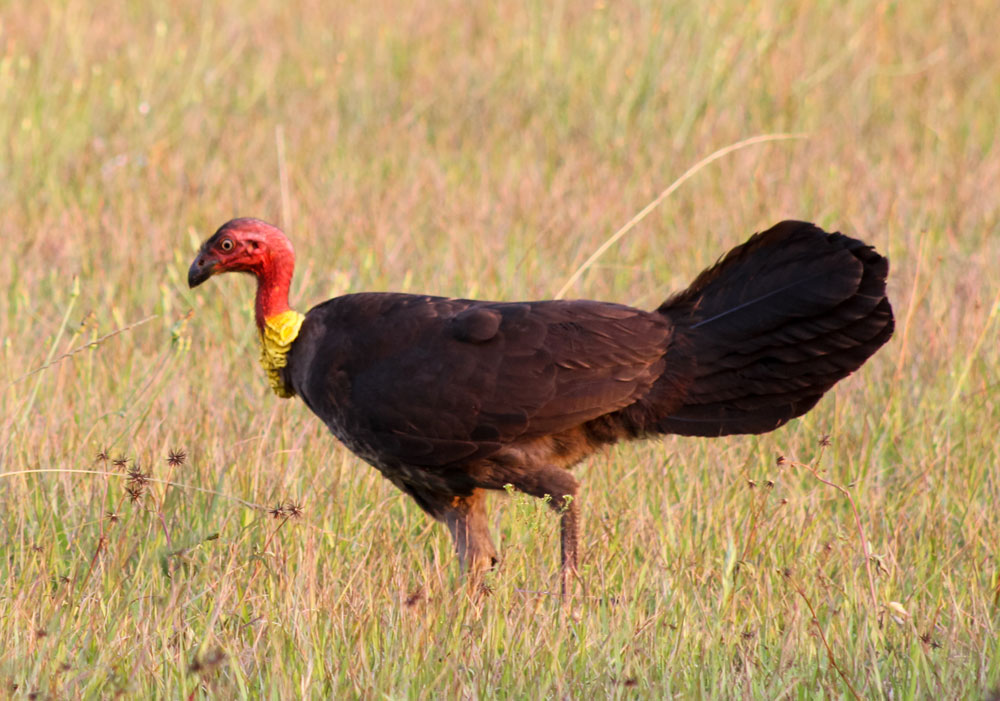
[[430, 381]]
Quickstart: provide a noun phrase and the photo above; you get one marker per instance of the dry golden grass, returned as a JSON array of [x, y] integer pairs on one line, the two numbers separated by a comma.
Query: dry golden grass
[[487, 150]]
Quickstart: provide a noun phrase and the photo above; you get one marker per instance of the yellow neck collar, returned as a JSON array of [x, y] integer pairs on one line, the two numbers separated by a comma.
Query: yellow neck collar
[[276, 337]]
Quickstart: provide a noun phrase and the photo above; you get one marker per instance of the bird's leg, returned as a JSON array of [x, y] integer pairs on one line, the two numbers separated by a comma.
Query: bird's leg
[[560, 487], [466, 519], [569, 536]]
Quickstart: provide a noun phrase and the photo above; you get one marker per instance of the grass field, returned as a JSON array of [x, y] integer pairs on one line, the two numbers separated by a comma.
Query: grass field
[[487, 150]]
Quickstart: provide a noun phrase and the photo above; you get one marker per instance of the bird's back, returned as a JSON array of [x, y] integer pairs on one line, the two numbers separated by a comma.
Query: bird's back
[[432, 382]]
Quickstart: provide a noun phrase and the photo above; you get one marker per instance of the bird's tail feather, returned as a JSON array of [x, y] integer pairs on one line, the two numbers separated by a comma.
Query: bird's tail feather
[[772, 326]]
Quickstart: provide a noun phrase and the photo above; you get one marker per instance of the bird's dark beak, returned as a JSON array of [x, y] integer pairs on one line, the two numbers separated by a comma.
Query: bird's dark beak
[[201, 269]]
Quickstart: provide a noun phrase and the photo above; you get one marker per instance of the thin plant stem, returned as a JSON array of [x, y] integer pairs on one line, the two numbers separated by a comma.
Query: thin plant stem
[[179, 485], [857, 523], [630, 224]]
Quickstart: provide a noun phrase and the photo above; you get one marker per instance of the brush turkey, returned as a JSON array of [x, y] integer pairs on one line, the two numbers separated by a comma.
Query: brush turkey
[[448, 397]]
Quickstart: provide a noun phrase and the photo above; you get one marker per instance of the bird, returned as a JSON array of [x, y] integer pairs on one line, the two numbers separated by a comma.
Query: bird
[[451, 398]]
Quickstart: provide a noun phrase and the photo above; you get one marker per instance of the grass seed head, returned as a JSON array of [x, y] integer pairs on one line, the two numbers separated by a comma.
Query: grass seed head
[[210, 660], [135, 491], [289, 510], [137, 477]]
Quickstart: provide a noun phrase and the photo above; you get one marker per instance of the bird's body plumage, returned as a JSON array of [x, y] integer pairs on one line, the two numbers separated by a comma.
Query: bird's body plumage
[[450, 397], [430, 390]]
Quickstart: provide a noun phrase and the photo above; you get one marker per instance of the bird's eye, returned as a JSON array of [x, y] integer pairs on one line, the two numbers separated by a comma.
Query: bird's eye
[[226, 245]]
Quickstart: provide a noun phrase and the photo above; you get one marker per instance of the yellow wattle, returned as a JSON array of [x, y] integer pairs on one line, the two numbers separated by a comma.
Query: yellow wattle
[[276, 339]]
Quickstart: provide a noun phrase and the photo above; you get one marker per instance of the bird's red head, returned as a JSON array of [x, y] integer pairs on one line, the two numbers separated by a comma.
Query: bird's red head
[[249, 246], [242, 245]]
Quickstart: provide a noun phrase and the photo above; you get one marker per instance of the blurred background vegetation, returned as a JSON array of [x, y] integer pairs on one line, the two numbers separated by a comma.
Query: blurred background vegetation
[[486, 149]]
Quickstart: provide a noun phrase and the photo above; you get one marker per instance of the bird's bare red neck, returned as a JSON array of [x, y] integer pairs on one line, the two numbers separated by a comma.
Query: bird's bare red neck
[[273, 280]]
